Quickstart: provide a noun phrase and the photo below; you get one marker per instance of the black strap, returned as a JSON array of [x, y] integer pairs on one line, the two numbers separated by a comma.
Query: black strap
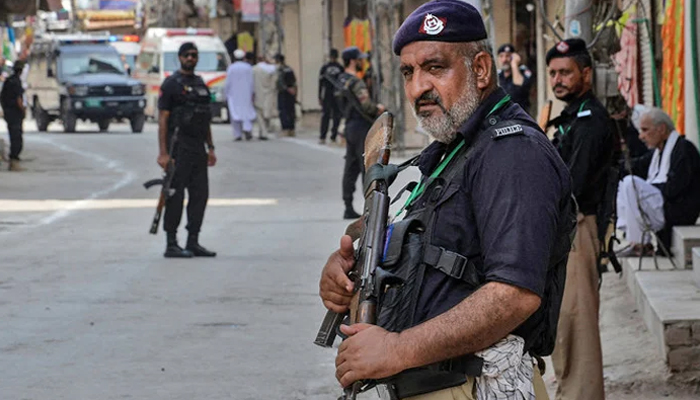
[[434, 377], [452, 264]]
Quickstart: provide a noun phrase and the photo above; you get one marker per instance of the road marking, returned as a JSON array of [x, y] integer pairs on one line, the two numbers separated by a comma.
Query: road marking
[[127, 178], [106, 204], [314, 145]]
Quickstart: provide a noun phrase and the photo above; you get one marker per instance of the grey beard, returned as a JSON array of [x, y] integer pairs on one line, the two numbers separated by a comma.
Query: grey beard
[[443, 127]]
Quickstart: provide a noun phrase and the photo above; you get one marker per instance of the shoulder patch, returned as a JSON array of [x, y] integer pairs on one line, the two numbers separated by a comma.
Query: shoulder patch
[[510, 130], [584, 113]]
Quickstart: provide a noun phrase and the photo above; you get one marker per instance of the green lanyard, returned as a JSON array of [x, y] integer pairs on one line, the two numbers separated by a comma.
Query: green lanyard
[[419, 189], [568, 128]]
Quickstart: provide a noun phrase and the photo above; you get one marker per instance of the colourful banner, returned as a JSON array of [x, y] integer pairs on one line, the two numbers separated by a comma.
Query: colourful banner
[[672, 35]]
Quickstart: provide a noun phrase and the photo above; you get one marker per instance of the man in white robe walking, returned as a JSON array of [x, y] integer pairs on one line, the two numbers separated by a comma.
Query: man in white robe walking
[[240, 94], [265, 78]]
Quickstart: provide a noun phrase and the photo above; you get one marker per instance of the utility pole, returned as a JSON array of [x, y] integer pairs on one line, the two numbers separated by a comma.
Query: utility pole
[[579, 22]]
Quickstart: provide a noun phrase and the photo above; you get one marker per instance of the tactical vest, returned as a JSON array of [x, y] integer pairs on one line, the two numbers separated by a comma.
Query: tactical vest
[[410, 252], [194, 114]]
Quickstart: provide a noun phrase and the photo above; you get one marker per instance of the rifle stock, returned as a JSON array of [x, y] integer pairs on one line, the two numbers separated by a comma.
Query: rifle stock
[[165, 183], [545, 114]]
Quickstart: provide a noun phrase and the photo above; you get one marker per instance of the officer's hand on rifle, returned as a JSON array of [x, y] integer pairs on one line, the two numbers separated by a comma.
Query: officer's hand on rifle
[[336, 289], [163, 160], [211, 161], [370, 352], [381, 108]]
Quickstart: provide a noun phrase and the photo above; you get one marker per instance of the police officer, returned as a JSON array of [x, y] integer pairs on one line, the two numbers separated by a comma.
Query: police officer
[[360, 114], [185, 117], [13, 109], [514, 78], [329, 107], [585, 141], [484, 238], [286, 96]]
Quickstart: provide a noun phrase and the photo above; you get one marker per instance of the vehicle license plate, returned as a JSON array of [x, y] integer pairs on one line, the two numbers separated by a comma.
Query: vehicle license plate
[[92, 103], [224, 113], [112, 104]]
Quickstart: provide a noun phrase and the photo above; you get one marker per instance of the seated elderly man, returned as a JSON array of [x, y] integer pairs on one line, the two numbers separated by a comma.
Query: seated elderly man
[[665, 185]]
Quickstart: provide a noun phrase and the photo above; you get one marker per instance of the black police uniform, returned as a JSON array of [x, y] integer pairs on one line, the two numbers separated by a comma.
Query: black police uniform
[[286, 100], [12, 90], [500, 212], [326, 90], [357, 124], [584, 137], [520, 94], [187, 98]]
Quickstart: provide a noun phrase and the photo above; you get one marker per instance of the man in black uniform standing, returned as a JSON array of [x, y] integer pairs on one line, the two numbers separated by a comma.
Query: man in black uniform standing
[[14, 112], [514, 78], [286, 96], [585, 140], [361, 113], [184, 118], [329, 107], [483, 245]]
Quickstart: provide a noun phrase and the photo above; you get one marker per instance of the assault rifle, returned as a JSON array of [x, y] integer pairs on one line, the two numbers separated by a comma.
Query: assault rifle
[[350, 100], [166, 181], [369, 279]]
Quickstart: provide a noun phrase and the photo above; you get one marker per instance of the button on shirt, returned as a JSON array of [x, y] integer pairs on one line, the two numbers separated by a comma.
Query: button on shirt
[[504, 211]]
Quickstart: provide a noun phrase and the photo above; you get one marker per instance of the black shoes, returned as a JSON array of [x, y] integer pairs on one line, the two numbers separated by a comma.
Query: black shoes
[[351, 214], [172, 250], [194, 247]]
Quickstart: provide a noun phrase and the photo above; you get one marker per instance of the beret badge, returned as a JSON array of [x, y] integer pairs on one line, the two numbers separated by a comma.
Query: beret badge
[[563, 47], [432, 25]]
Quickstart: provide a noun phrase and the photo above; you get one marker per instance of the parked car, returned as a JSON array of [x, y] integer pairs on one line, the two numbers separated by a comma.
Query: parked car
[[81, 77]]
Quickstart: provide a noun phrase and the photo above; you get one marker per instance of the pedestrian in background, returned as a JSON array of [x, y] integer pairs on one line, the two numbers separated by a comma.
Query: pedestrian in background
[[265, 88], [326, 96], [514, 78], [12, 100], [286, 95], [239, 94], [361, 112]]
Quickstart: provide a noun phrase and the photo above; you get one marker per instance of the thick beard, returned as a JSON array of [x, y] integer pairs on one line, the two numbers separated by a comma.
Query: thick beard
[[187, 68], [443, 126]]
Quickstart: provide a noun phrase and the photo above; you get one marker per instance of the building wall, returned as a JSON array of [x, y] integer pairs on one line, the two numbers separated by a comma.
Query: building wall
[[311, 51]]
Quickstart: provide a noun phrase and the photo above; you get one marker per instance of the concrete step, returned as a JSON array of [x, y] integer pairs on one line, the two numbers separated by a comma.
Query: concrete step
[[684, 239], [669, 302], [696, 265]]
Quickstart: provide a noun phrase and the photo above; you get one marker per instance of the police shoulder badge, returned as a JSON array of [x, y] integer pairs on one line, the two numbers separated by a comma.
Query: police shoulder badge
[[507, 131], [432, 25]]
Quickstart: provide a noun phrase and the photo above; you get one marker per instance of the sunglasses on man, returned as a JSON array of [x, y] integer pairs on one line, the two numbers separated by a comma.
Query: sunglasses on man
[[190, 55]]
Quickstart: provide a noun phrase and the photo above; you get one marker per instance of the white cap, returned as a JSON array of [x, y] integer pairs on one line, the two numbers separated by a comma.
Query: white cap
[[637, 111], [238, 54]]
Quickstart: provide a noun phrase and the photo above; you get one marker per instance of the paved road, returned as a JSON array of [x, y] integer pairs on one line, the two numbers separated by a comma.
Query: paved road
[[91, 310]]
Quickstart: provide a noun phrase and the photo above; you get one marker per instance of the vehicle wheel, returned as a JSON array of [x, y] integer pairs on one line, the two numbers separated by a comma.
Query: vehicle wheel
[[137, 122], [69, 121], [40, 116], [103, 124]]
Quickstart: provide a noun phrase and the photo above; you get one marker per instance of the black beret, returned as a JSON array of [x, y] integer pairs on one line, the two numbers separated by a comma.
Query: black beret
[[353, 53], [187, 46], [441, 21], [567, 48], [506, 47]]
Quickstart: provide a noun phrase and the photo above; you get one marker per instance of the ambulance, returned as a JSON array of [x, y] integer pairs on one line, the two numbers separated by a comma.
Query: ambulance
[[158, 60]]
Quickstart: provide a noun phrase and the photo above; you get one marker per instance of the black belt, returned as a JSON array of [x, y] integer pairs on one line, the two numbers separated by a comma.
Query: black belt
[[438, 376]]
